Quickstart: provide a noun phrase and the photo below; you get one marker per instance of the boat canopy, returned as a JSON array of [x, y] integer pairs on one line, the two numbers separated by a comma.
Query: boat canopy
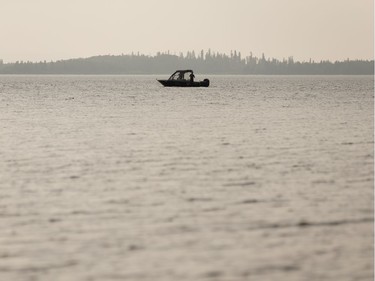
[[180, 74]]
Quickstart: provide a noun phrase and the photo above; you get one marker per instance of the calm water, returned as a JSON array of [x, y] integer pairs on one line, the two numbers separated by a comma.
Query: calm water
[[254, 178]]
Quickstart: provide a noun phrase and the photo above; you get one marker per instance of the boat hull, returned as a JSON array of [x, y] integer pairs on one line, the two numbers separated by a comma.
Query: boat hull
[[184, 83]]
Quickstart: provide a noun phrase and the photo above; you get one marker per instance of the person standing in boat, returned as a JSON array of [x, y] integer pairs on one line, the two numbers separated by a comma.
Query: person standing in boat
[[192, 76]]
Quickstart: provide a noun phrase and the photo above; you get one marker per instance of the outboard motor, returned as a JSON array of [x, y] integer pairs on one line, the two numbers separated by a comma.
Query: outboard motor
[[206, 82]]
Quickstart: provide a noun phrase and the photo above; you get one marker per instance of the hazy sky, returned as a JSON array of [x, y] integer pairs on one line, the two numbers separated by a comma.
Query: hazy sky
[[59, 29]]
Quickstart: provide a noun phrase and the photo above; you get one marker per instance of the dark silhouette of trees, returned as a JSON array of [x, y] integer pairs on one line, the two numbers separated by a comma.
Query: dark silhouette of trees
[[208, 62]]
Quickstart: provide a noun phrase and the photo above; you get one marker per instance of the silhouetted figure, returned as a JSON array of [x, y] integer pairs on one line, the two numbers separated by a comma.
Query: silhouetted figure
[[192, 76]]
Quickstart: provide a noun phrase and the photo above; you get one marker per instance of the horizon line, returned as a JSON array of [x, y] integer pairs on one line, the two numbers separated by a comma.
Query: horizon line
[[185, 54]]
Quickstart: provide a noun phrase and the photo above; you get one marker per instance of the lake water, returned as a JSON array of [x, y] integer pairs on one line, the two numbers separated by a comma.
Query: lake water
[[253, 178]]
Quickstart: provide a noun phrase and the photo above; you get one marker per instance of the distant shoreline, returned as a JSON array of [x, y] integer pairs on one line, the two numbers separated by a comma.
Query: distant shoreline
[[168, 74], [204, 63]]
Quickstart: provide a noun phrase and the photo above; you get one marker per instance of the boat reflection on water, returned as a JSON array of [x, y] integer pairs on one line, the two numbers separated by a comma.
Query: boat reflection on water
[[178, 79]]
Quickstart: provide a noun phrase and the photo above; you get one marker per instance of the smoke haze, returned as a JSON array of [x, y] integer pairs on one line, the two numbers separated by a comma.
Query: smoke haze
[[316, 29]]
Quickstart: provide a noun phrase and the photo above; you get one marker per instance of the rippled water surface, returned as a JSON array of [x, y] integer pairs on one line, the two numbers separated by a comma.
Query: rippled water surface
[[253, 178]]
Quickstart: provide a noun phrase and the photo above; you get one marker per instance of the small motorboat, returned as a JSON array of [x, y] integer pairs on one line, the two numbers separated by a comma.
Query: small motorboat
[[178, 79]]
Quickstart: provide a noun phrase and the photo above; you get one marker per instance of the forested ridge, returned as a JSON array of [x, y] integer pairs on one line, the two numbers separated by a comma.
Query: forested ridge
[[205, 62]]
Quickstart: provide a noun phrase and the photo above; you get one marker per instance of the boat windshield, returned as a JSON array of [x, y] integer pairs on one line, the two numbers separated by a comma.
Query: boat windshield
[[180, 75]]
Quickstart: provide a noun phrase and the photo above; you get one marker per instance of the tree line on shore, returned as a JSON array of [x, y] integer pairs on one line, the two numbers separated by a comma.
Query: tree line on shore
[[205, 62]]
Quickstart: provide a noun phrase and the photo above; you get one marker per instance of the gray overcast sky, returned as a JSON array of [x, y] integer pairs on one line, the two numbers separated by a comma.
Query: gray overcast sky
[[59, 29]]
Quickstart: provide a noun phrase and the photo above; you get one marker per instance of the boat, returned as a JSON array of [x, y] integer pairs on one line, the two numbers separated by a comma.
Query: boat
[[178, 79]]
